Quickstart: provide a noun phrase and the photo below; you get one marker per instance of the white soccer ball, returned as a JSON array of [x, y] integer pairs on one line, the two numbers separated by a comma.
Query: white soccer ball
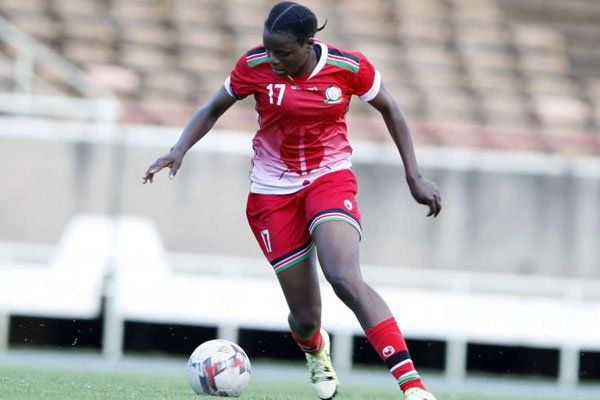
[[219, 368]]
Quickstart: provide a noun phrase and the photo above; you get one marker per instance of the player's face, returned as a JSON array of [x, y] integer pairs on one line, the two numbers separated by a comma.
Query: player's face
[[286, 55]]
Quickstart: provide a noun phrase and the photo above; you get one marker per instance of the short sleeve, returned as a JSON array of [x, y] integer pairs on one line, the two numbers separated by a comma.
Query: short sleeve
[[239, 83], [367, 81]]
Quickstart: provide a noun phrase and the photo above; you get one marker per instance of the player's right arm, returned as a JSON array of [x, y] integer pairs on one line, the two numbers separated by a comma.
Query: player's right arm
[[201, 122], [240, 84]]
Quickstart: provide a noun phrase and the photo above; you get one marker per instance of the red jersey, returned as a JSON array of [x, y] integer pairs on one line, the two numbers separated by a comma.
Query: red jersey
[[302, 131]]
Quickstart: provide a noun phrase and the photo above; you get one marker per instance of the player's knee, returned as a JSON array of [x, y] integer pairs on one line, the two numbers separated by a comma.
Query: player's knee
[[308, 327], [307, 321], [348, 289]]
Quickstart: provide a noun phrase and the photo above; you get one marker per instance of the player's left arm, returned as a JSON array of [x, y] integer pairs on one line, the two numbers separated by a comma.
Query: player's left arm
[[424, 191]]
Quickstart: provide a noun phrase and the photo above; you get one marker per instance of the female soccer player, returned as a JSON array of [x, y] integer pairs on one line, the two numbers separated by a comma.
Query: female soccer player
[[302, 192]]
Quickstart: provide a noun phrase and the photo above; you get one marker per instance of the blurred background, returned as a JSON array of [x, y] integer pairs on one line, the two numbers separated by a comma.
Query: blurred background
[[503, 99]]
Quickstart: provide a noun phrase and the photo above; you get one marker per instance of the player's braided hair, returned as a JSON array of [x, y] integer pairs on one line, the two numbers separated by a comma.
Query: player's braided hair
[[293, 19]]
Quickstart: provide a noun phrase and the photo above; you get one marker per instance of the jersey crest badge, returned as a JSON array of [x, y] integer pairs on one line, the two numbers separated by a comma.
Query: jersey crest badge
[[333, 95]]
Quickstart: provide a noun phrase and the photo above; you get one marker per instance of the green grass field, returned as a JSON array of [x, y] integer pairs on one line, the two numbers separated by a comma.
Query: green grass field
[[30, 384]]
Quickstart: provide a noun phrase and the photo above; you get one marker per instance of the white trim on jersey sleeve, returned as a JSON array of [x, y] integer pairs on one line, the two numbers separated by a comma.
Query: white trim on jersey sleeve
[[371, 93], [227, 85]]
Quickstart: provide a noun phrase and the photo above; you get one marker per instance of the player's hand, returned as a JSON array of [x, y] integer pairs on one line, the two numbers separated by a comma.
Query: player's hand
[[172, 160], [426, 192]]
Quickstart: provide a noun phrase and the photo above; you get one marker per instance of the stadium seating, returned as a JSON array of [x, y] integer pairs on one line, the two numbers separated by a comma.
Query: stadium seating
[[70, 285], [502, 64]]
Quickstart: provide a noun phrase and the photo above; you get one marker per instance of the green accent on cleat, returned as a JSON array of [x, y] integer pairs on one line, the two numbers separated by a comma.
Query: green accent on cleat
[[323, 378]]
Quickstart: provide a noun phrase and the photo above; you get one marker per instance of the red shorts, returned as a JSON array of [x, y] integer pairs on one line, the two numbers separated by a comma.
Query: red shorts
[[283, 223]]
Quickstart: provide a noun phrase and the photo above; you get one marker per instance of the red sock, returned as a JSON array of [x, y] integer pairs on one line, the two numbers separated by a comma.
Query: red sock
[[387, 339], [312, 345]]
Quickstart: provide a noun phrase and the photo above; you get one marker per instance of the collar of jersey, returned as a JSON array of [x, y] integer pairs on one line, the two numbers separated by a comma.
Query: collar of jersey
[[322, 60]]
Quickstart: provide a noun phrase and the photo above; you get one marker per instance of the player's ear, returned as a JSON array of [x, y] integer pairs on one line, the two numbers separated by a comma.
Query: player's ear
[[310, 43]]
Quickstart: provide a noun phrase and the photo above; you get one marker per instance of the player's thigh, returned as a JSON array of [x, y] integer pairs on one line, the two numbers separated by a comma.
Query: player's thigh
[[338, 244], [334, 223], [280, 229], [332, 197], [300, 286]]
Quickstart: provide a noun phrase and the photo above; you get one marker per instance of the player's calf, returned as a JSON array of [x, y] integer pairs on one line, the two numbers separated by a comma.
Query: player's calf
[[387, 339]]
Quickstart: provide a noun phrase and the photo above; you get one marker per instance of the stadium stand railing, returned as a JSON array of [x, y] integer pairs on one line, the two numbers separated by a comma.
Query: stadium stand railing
[[69, 93], [34, 59]]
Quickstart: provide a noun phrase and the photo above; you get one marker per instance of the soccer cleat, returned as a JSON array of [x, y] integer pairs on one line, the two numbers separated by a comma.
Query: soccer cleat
[[418, 394], [322, 376]]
